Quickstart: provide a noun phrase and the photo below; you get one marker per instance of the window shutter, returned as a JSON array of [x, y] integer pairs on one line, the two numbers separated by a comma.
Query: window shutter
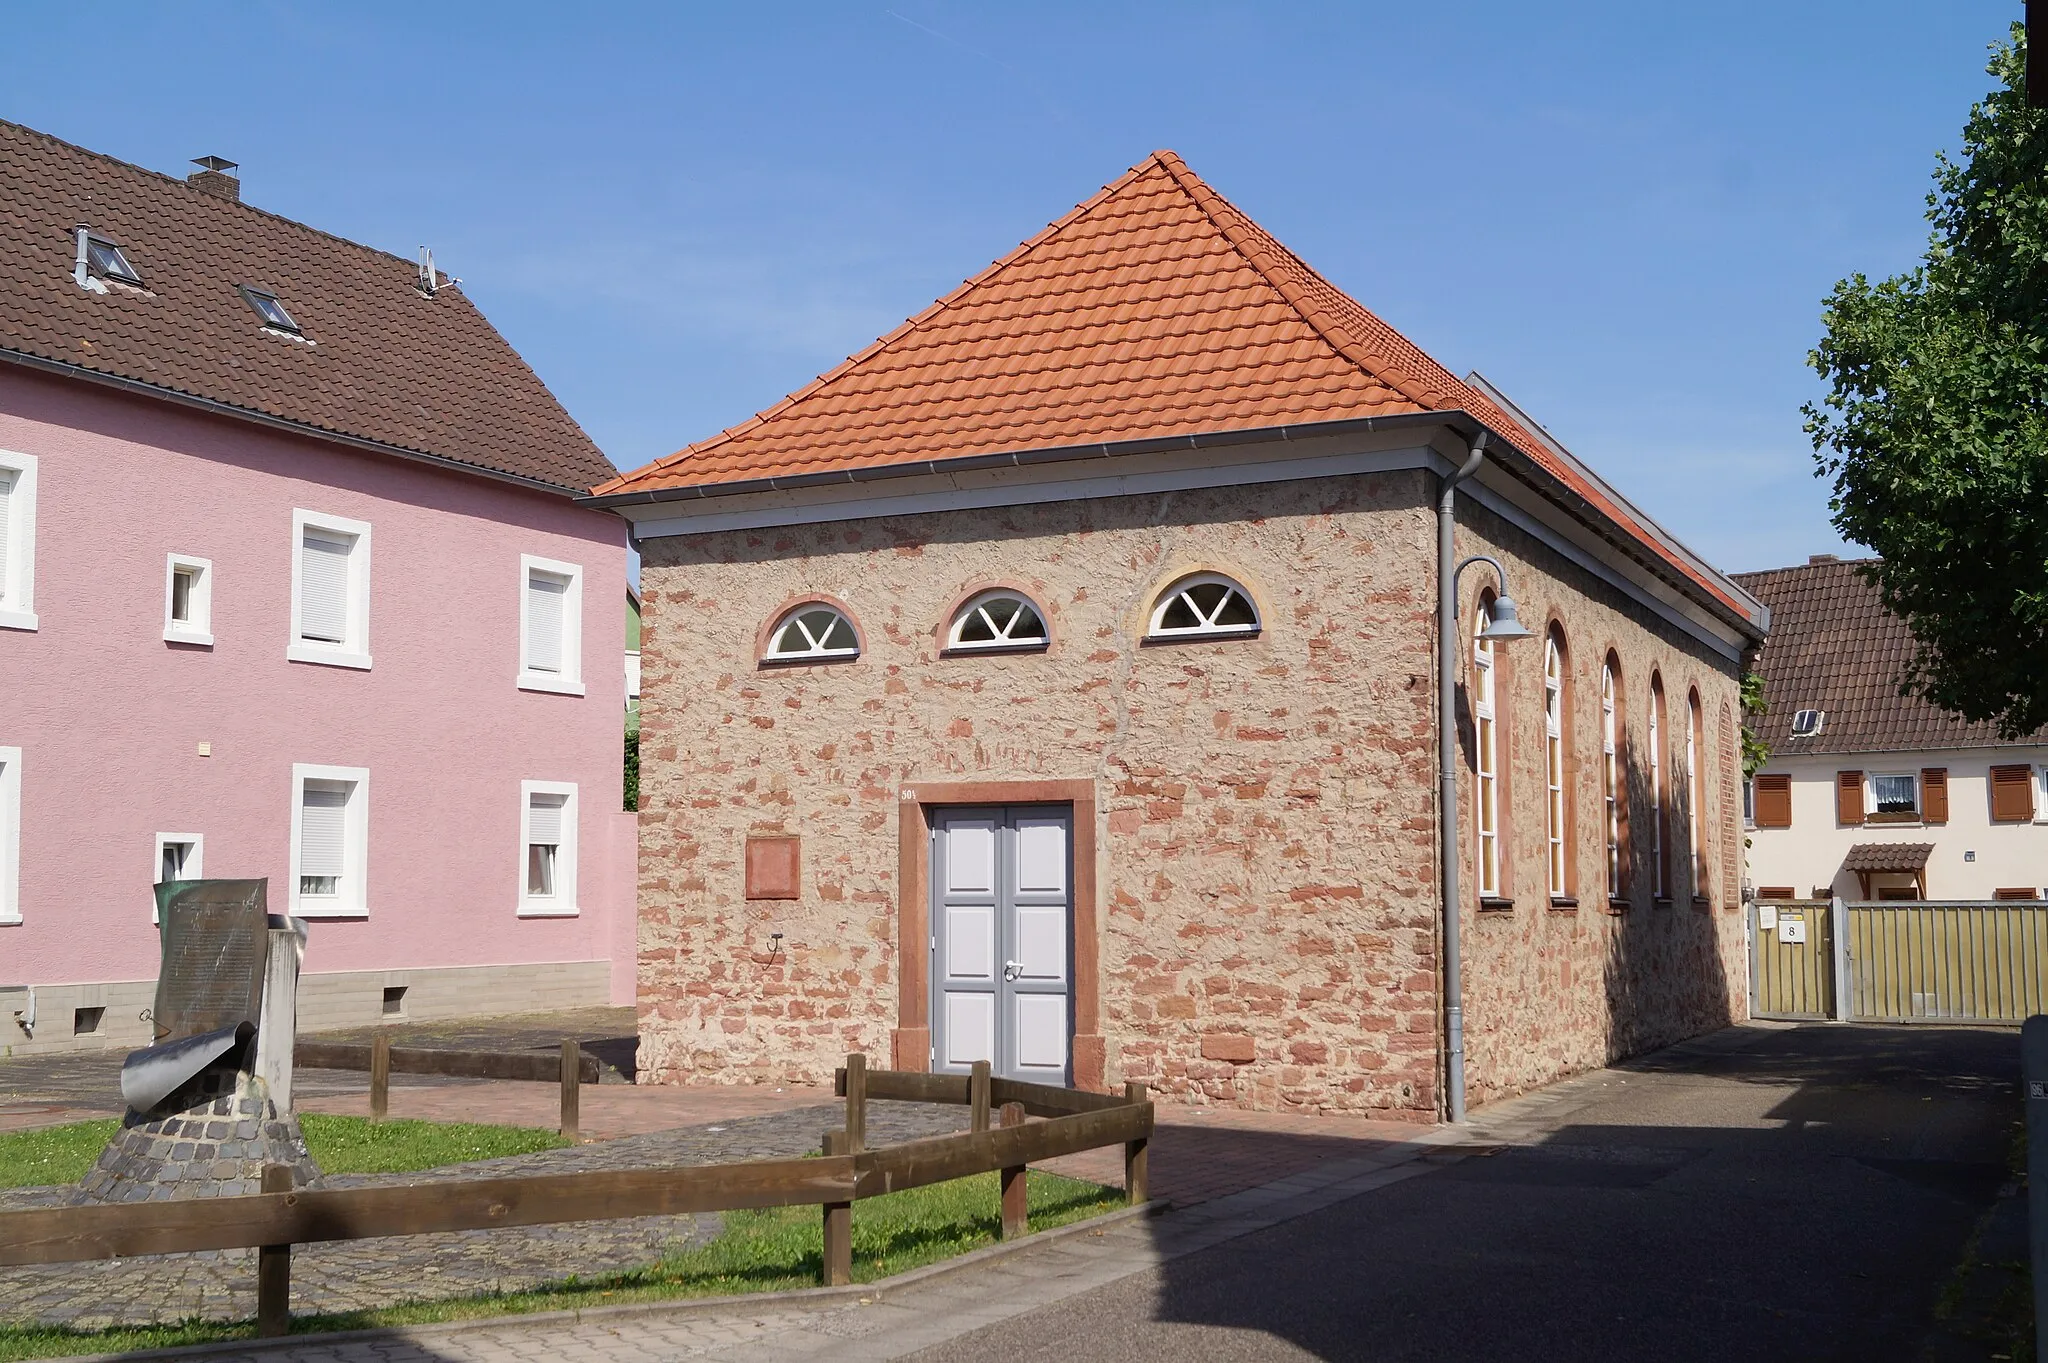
[[323, 814], [544, 595], [1774, 801], [544, 819], [2025, 892], [1849, 797], [323, 589], [1934, 795], [2012, 794]]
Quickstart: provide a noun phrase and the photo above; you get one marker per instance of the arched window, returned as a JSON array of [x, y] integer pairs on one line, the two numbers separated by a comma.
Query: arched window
[[996, 621], [1206, 605], [814, 632], [1485, 756], [1610, 772], [1657, 761], [1555, 782], [1695, 792]]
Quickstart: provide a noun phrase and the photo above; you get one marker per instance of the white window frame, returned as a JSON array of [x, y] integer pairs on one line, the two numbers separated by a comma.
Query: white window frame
[[1486, 761], [815, 652], [353, 651], [354, 899], [195, 864], [568, 681], [10, 835], [1870, 793], [1004, 640], [1157, 629], [1553, 766], [1610, 779], [559, 904], [18, 562], [199, 629]]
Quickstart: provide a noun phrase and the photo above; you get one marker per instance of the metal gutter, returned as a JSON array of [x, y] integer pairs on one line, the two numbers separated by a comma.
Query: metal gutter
[[227, 409]]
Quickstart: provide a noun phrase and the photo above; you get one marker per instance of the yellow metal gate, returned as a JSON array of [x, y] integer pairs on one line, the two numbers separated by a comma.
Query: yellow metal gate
[[1791, 959], [1978, 961]]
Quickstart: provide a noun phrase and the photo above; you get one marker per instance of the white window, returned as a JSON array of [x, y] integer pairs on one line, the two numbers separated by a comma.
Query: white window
[[1207, 605], [550, 626], [188, 600], [1610, 779], [1553, 763], [330, 841], [1486, 791], [996, 621], [1748, 802], [10, 835], [330, 591], [17, 541], [179, 856], [813, 633], [1894, 795], [547, 848]]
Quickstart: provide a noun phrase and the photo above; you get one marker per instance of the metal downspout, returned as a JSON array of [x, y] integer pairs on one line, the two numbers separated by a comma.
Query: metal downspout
[[1447, 779]]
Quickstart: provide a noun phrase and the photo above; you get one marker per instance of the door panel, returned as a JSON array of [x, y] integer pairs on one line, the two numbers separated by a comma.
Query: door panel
[[1002, 940]]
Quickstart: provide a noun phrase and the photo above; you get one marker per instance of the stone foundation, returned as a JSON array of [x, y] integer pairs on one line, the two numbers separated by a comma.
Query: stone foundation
[[209, 1139]]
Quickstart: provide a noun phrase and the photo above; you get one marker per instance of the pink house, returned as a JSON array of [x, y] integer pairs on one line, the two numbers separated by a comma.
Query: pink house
[[292, 584]]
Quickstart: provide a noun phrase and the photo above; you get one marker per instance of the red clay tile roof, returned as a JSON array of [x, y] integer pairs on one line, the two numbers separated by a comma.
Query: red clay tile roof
[[1835, 648], [1887, 856], [1154, 309], [388, 365]]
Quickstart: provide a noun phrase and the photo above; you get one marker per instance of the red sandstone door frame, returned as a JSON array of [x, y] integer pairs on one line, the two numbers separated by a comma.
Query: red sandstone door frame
[[911, 1040]]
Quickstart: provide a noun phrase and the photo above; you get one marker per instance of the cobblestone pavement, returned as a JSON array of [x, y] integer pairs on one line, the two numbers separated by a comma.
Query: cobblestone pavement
[[350, 1275]]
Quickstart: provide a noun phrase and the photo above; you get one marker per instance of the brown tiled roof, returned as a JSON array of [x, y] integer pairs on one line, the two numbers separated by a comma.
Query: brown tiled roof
[[1835, 648], [1887, 856], [1155, 309], [387, 365]]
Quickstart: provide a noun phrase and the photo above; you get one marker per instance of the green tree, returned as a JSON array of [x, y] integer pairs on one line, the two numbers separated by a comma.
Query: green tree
[[1935, 428]]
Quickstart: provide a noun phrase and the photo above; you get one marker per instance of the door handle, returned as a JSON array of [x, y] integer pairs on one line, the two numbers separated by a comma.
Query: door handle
[[1013, 970]]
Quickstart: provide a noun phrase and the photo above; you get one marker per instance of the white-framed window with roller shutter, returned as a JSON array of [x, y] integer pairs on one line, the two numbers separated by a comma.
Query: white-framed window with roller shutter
[[330, 841], [330, 590], [547, 849], [10, 835], [550, 625], [17, 541]]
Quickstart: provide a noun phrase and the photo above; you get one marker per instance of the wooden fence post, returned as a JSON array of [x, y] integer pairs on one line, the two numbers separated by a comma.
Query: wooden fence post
[[838, 1225], [856, 1103], [1015, 1214], [572, 1091], [977, 1096], [1137, 1162], [380, 1078], [274, 1268]]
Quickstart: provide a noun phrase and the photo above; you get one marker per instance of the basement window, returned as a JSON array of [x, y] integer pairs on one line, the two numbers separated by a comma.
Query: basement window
[[272, 312], [104, 260]]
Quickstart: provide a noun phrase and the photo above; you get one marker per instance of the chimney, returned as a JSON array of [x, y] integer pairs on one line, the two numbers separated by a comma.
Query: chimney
[[1822, 558], [214, 177]]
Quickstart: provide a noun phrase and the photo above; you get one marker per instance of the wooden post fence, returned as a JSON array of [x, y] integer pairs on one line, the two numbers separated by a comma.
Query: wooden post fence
[[1016, 1211], [856, 1103], [838, 1224], [380, 1078], [274, 1268], [572, 1091], [977, 1096], [1137, 1160]]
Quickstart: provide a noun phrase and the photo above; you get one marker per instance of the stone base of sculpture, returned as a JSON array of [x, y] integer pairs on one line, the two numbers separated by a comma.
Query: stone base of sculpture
[[209, 1139]]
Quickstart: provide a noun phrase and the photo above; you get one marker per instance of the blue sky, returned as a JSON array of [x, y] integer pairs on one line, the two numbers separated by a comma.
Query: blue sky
[[1626, 215]]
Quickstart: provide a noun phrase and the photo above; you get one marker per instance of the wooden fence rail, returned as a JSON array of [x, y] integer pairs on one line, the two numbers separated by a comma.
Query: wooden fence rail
[[278, 1218], [570, 1067]]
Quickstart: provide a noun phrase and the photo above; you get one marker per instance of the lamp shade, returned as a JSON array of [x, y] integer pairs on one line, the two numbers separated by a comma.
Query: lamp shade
[[1506, 622]]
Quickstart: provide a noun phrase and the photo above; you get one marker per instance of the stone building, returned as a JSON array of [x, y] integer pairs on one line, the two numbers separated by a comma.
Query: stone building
[[1054, 682]]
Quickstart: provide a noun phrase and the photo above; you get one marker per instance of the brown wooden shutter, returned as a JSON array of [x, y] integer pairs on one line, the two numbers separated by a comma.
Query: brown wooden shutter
[[2025, 892], [1849, 797], [2012, 794], [1774, 801], [1776, 892], [1934, 795]]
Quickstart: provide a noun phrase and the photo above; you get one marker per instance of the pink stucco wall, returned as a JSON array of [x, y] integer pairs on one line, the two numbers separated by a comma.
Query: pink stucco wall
[[109, 716]]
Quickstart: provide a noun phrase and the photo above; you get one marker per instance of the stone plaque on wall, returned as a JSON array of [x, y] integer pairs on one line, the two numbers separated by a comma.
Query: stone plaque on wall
[[215, 942]]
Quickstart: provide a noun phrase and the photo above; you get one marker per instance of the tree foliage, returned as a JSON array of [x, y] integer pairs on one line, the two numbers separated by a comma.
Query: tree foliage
[[1935, 429]]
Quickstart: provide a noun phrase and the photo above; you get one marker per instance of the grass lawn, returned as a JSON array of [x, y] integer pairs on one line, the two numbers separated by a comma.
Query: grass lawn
[[759, 1251], [341, 1145]]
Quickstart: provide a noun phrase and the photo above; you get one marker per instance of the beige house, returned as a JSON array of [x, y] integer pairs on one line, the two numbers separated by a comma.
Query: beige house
[[1054, 683]]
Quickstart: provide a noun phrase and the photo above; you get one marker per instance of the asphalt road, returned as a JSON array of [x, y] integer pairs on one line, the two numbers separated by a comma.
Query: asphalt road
[[1804, 1198]]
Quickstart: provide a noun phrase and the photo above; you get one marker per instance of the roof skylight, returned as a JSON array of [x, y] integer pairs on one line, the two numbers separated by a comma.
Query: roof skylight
[[269, 309], [1807, 723], [105, 260]]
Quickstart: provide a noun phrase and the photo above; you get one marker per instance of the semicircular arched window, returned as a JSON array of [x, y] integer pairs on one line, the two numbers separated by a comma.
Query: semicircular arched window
[[997, 620], [814, 632], [1206, 605]]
